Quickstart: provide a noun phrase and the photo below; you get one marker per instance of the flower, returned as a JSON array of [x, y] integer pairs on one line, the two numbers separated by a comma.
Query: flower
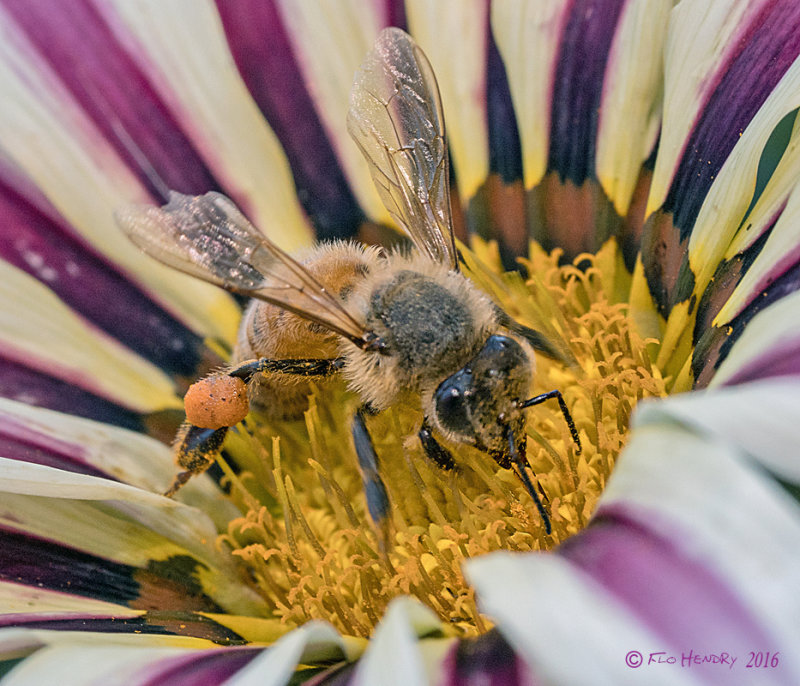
[[575, 123]]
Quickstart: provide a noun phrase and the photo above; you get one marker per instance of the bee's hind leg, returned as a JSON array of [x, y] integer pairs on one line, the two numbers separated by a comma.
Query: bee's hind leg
[[216, 403], [195, 450]]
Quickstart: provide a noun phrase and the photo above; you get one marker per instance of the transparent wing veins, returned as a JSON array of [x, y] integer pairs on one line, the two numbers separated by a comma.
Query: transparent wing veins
[[396, 120], [208, 237]]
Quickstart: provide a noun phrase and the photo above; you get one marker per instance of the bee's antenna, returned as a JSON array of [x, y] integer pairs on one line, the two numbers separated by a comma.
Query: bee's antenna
[[520, 463], [564, 410]]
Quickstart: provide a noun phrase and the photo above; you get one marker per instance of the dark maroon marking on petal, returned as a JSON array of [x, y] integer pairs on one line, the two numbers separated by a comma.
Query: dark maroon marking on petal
[[578, 86], [574, 218], [487, 660], [681, 600], [33, 387], [39, 563], [263, 54], [34, 239], [201, 669], [505, 153], [164, 586], [80, 47], [18, 442], [760, 57], [395, 13], [725, 280]]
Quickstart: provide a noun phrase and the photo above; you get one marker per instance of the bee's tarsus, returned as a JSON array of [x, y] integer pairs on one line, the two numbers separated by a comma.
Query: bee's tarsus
[[177, 483], [564, 410], [195, 450]]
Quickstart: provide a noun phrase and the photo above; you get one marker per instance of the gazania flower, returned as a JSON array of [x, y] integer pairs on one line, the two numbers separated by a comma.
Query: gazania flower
[[651, 155]]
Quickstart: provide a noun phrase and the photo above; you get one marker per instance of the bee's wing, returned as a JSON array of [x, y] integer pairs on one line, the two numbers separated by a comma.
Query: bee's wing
[[396, 119], [206, 236]]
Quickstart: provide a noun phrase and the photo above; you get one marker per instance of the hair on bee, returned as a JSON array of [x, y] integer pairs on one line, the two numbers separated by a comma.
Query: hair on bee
[[391, 324]]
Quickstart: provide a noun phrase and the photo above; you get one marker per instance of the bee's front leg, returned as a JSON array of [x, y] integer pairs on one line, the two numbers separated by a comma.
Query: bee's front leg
[[435, 451]]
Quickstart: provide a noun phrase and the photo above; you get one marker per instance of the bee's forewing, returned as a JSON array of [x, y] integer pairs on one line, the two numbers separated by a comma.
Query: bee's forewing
[[208, 237], [396, 119]]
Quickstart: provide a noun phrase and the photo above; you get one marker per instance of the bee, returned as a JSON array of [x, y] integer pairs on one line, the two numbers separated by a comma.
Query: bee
[[393, 325]]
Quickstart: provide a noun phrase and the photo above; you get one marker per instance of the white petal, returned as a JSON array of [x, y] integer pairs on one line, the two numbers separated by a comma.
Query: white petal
[[759, 419], [118, 522], [527, 35], [732, 190], [775, 329], [315, 641], [780, 251], [630, 112], [699, 37], [19, 599], [708, 497], [80, 664], [128, 456], [452, 33], [565, 626], [773, 198], [394, 657]]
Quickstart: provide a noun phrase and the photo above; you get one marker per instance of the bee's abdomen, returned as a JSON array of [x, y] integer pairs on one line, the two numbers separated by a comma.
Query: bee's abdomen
[[268, 331]]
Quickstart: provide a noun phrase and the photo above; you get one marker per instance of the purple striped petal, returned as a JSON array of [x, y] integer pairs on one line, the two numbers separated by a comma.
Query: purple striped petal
[[35, 239], [677, 597], [263, 54], [506, 194], [168, 623], [759, 57], [19, 442], [578, 87], [487, 660], [35, 387], [505, 154], [781, 360], [206, 669], [77, 43], [569, 209]]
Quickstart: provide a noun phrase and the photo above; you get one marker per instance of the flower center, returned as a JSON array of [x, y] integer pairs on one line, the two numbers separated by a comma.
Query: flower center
[[306, 539]]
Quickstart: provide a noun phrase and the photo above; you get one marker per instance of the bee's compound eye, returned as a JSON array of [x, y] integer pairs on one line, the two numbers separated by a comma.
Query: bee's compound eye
[[216, 401], [451, 402]]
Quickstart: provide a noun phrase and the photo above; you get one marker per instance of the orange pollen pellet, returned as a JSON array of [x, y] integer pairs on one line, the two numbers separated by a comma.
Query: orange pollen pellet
[[216, 401]]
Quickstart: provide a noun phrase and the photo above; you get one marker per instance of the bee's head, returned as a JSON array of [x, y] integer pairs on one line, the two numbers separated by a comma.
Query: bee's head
[[481, 401]]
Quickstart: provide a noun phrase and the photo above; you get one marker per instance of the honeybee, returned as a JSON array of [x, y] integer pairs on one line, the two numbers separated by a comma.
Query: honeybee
[[393, 325]]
